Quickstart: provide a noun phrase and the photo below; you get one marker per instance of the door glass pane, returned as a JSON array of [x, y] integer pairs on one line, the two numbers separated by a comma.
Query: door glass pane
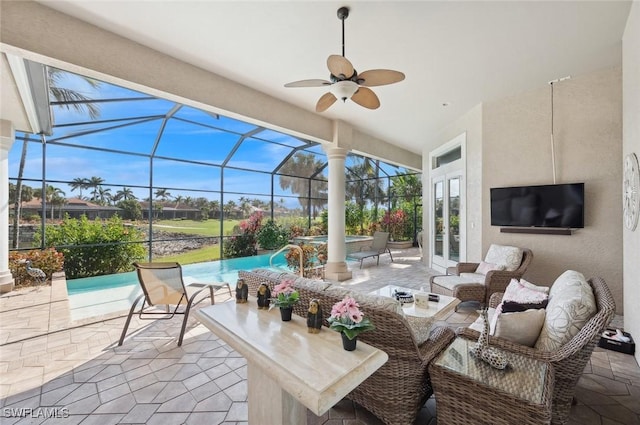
[[454, 219], [438, 203]]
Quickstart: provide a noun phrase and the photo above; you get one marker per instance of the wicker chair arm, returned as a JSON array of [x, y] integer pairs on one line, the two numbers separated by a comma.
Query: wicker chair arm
[[438, 340], [498, 280], [466, 267], [505, 344], [496, 299]]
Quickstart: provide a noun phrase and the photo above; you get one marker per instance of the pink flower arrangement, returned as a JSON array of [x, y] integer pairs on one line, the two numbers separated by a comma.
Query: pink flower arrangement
[[284, 295], [347, 318]]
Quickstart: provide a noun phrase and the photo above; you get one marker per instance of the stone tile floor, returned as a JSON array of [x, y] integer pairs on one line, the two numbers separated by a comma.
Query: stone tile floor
[[53, 370]]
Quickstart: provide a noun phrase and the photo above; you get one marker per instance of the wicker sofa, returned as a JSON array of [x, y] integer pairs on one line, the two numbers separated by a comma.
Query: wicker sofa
[[395, 392], [569, 359]]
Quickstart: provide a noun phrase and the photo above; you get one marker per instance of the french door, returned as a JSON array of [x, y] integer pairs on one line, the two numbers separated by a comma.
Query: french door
[[446, 190]]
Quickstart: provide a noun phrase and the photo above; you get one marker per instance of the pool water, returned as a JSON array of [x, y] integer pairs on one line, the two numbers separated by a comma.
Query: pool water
[[104, 295]]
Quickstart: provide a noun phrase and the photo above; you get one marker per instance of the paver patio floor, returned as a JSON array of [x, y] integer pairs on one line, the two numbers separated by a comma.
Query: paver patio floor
[[53, 370]]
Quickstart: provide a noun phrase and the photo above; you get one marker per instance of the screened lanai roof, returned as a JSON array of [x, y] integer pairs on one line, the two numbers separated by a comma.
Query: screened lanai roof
[[132, 127]]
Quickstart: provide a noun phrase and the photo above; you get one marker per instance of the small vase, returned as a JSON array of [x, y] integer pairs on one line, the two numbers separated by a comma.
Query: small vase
[[348, 344], [285, 313]]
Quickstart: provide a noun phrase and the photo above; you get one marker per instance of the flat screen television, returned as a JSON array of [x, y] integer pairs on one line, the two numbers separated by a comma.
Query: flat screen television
[[555, 205]]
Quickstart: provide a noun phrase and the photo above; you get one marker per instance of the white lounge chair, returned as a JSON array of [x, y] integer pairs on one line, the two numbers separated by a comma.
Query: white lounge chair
[[378, 246]]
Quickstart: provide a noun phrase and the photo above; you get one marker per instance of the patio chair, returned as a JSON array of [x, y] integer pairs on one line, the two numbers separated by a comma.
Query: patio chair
[[378, 246], [568, 360], [162, 285], [467, 283]]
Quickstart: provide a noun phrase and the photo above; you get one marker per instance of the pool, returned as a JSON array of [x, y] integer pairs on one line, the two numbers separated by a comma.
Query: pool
[[105, 295]]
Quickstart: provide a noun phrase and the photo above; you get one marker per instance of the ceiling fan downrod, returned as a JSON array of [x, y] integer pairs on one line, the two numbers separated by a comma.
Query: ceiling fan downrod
[[343, 13]]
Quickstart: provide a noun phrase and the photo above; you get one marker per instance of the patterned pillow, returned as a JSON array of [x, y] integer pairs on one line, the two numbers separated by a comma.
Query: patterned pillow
[[484, 268], [508, 256], [571, 305]]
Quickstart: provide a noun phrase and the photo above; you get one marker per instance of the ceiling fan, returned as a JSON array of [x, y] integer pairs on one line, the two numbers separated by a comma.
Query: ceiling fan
[[345, 83]]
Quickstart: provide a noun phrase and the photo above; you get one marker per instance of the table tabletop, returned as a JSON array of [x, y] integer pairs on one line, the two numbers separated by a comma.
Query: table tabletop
[[314, 368], [437, 309], [523, 378]]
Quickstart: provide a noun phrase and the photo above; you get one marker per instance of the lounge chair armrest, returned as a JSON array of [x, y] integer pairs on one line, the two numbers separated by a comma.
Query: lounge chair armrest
[[505, 344], [466, 267], [498, 280]]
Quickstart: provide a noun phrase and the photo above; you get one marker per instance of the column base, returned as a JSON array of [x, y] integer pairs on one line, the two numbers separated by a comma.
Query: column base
[[7, 282], [337, 271]]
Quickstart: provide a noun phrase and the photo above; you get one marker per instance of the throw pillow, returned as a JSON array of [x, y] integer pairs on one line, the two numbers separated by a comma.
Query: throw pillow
[[518, 293], [530, 285], [571, 305], [514, 307], [484, 268], [508, 256], [522, 327]]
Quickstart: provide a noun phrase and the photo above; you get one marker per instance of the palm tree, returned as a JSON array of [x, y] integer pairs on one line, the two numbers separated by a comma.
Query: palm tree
[[79, 183], [95, 183], [162, 194], [50, 195], [104, 195], [78, 102], [245, 206], [295, 173], [363, 185], [214, 206], [125, 194]]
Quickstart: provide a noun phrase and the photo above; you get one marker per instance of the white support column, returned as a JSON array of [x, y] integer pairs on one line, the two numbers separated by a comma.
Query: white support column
[[336, 268], [7, 137]]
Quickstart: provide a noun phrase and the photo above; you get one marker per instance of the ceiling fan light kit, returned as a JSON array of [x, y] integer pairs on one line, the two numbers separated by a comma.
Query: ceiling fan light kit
[[345, 82]]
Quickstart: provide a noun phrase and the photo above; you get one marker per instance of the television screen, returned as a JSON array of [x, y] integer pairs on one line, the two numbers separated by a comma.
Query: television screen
[[557, 205]]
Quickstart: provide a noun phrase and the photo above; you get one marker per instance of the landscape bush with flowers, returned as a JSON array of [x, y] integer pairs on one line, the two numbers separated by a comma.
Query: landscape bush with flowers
[[347, 318], [284, 295]]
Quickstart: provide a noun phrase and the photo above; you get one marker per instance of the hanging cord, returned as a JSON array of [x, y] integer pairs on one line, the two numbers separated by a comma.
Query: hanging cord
[[343, 37], [553, 148]]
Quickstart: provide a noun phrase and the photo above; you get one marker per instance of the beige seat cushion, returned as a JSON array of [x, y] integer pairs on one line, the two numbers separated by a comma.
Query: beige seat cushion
[[571, 305], [450, 282], [473, 277], [503, 255]]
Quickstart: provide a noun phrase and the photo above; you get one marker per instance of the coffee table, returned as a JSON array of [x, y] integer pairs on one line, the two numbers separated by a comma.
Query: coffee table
[[421, 320], [437, 310]]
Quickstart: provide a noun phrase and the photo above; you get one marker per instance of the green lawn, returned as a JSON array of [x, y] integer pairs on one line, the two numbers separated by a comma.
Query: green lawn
[[192, 227], [209, 253]]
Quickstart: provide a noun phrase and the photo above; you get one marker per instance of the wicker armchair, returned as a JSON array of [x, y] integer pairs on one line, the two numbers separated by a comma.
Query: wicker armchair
[[569, 360], [494, 281], [399, 388]]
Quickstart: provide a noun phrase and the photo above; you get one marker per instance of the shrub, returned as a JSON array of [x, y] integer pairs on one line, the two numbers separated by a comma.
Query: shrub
[[397, 222], [240, 246], [293, 258], [48, 260], [271, 235], [92, 248]]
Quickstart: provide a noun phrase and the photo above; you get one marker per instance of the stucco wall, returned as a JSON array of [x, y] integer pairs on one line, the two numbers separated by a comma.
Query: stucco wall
[[631, 143], [588, 138]]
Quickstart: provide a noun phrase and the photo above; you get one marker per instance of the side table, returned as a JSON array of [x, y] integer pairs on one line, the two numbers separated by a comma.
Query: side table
[[469, 391]]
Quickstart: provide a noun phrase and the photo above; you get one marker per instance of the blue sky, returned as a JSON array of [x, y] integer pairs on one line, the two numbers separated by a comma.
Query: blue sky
[[181, 138]]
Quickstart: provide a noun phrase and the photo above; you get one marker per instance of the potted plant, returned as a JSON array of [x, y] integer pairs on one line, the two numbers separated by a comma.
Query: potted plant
[[284, 296], [347, 318]]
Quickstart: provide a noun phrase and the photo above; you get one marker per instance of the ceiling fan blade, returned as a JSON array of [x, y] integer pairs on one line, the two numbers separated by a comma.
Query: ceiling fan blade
[[379, 77], [308, 83], [367, 98], [325, 101], [340, 66]]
